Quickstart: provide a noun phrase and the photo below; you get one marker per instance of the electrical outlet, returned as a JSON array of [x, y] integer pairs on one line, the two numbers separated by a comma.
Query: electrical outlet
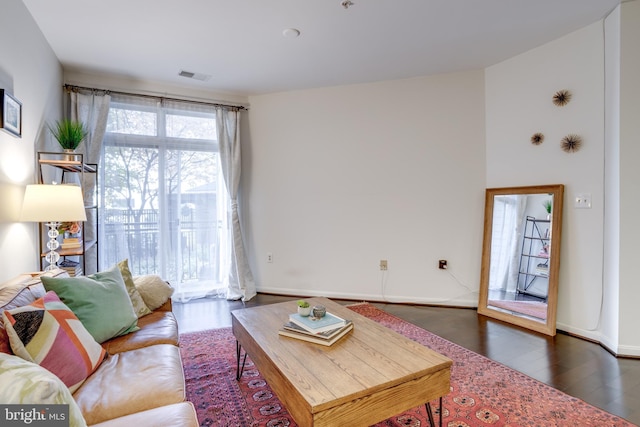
[[269, 257], [383, 265], [442, 264]]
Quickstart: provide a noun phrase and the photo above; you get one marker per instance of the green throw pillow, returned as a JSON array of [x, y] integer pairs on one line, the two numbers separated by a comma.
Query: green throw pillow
[[99, 300]]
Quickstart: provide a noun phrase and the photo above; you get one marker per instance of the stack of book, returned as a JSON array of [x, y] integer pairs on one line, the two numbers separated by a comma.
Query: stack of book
[[324, 330], [73, 268], [71, 243]]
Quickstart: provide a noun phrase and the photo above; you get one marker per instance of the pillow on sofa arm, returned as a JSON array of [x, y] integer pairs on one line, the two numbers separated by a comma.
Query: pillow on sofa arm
[[154, 291]]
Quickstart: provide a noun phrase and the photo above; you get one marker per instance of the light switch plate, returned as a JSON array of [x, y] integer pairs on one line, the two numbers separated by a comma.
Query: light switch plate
[[582, 201]]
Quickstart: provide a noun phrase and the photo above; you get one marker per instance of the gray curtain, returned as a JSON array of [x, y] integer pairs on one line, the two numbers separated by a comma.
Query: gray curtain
[[240, 280], [508, 226], [92, 109]]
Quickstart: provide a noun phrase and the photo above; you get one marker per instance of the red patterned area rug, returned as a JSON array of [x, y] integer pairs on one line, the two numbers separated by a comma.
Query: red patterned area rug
[[530, 308], [483, 392]]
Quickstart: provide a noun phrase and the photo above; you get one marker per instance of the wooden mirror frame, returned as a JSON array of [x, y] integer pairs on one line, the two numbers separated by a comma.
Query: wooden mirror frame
[[547, 327]]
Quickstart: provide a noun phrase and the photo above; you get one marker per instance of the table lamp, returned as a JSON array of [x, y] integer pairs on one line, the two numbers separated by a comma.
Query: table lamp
[[53, 204]]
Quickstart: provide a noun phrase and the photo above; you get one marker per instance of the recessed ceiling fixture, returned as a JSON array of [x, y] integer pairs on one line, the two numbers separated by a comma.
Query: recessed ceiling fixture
[[195, 76], [291, 33]]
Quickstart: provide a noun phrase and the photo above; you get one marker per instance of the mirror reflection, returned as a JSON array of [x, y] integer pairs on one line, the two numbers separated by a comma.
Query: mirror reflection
[[519, 272], [521, 256]]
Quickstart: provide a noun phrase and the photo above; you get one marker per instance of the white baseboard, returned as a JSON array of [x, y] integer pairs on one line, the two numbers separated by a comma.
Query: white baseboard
[[618, 350], [396, 299], [609, 345], [583, 333], [628, 350]]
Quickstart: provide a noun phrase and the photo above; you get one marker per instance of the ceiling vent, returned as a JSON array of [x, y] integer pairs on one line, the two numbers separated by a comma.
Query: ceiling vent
[[195, 76]]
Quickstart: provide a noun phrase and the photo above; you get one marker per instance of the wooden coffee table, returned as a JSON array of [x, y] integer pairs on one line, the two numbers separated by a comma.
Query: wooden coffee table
[[371, 374]]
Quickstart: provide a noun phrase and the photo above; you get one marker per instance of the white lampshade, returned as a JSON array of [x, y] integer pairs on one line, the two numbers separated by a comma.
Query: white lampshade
[[53, 203]]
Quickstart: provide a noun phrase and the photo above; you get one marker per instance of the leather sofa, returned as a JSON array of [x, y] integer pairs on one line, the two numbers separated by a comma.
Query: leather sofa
[[139, 383]]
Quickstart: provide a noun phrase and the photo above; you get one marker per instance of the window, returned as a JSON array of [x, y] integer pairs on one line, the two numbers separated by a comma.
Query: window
[[163, 204]]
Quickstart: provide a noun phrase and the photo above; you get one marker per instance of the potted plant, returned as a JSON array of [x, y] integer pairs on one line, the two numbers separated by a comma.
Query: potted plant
[[547, 206], [304, 309], [69, 134]]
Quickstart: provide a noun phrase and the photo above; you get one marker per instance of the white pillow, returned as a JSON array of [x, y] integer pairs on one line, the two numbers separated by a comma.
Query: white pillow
[[33, 384], [154, 291]]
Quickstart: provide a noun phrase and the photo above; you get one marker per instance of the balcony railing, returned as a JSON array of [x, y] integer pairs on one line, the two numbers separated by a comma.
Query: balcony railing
[[191, 245]]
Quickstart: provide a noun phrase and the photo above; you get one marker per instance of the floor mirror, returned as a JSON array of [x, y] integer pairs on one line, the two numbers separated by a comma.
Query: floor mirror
[[521, 255]]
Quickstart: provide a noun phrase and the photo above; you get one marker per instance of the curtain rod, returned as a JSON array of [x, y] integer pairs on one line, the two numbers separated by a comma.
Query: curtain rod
[[74, 88]]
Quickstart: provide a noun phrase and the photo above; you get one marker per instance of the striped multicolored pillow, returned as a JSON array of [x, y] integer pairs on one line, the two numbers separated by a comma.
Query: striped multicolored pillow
[[47, 332], [5, 347]]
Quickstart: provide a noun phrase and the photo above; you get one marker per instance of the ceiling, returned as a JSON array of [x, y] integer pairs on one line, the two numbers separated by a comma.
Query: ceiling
[[240, 43]]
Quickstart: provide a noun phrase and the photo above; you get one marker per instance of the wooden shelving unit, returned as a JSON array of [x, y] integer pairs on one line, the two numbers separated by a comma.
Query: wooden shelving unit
[[534, 257], [68, 165], [61, 164]]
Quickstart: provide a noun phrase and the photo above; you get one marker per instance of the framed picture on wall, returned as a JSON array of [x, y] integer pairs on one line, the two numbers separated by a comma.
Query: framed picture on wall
[[10, 114]]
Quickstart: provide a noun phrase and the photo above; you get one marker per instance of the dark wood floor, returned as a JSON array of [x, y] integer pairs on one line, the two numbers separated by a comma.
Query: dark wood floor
[[575, 366]]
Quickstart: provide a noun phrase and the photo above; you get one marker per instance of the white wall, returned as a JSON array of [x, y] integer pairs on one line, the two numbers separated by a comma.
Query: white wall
[[519, 93], [339, 178], [31, 72], [629, 177]]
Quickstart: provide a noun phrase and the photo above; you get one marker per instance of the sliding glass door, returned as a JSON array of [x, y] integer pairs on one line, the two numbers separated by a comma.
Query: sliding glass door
[[164, 206]]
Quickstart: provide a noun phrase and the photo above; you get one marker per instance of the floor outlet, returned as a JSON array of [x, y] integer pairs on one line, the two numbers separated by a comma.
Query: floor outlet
[[442, 264]]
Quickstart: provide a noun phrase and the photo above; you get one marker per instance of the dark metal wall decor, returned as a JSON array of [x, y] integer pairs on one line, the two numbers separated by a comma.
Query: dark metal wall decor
[[562, 98], [571, 143], [537, 138]]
